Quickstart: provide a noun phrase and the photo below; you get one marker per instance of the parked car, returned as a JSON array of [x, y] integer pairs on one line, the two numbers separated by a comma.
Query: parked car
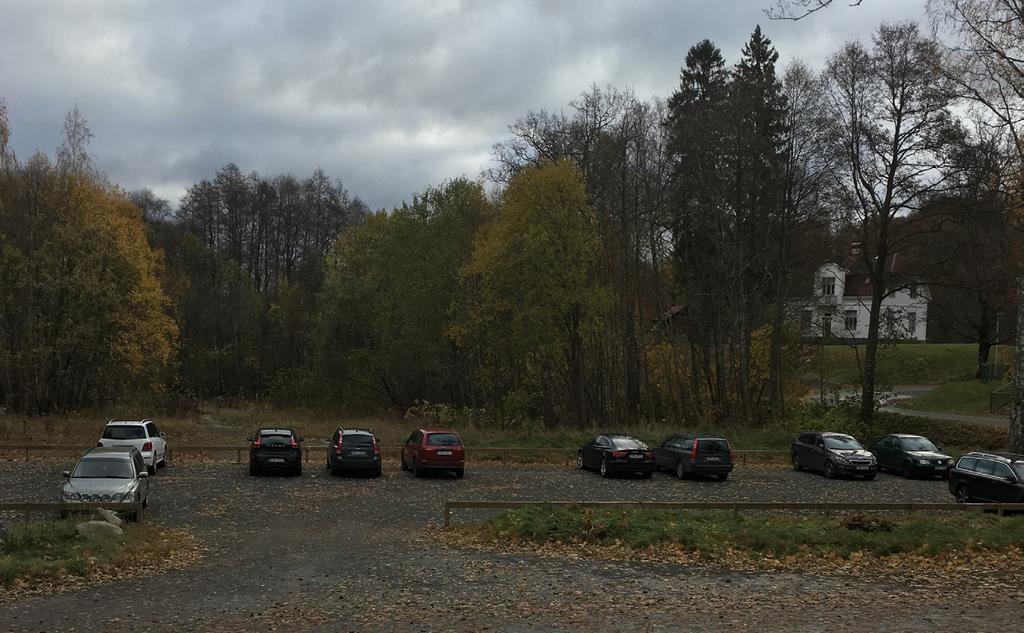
[[353, 450], [910, 455], [833, 454], [988, 477], [612, 453], [434, 449], [108, 474], [275, 449], [143, 435], [695, 455]]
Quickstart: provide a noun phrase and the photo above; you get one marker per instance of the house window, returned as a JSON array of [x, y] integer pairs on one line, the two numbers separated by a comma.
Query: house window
[[828, 286], [912, 324], [826, 324], [850, 320], [912, 289]]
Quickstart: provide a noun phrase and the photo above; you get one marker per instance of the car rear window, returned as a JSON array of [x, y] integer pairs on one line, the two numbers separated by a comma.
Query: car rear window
[[96, 468], [628, 443], [443, 439], [357, 439], [275, 439], [124, 432], [712, 446]]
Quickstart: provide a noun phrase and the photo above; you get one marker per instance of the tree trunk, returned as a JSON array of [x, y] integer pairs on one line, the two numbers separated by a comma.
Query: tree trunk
[[984, 342], [867, 395], [1017, 411]]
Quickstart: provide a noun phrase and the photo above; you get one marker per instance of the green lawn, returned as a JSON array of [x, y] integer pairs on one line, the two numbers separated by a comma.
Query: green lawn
[[967, 397], [904, 364], [46, 551], [775, 535]]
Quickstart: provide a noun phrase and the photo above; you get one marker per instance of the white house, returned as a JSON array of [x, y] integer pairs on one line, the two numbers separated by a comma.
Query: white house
[[839, 306]]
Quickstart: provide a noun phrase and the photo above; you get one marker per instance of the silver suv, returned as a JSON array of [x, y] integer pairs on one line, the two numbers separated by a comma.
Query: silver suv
[[143, 435], [114, 475]]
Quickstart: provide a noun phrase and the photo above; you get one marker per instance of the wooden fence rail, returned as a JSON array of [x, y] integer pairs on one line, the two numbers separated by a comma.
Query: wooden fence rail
[[569, 454], [738, 506], [39, 508]]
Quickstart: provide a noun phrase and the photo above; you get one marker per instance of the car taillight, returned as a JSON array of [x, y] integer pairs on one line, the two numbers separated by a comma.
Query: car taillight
[[294, 443], [337, 447], [649, 454], [376, 447], [732, 456], [693, 450], [618, 453], [256, 442], [148, 446]]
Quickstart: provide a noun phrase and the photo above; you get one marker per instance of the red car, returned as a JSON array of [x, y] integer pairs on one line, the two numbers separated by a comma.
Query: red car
[[434, 449]]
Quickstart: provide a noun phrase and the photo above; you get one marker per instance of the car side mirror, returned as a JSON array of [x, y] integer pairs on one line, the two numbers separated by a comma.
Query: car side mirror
[[162, 434], [66, 474], [143, 474]]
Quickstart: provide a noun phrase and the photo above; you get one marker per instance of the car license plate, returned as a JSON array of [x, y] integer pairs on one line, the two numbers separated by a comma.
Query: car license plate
[[444, 453], [276, 460], [713, 459], [940, 466], [358, 453], [636, 456], [862, 467]]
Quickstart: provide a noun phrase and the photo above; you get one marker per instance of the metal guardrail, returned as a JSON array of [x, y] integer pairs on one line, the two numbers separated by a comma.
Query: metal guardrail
[[39, 508], [742, 455], [737, 506]]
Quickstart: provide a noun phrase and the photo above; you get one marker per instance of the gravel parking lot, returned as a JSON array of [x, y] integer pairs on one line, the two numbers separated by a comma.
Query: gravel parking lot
[[353, 554]]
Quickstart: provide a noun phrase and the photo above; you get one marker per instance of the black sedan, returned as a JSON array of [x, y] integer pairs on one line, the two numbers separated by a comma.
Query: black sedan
[[612, 454], [275, 450], [911, 456]]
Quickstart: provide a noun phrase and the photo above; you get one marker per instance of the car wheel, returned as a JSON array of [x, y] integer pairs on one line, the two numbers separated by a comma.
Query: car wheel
[[145, 502], [723, 476], [416, 471], [379, 471], [579, 461], [680, 470], [796, 463], [963, 494], [604, 467], [252, 468], [151, 470], [298, 471], [907, 470], [460, 473], [830, 470], [402, 460]]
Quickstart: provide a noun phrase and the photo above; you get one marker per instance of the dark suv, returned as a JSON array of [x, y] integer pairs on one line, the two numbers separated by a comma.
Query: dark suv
[[275, 449], [353, 450], [689, 455], [833, 454], [988, 477]]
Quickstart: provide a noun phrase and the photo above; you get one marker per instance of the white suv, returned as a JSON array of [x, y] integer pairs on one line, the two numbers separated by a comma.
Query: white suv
[[143, 435]]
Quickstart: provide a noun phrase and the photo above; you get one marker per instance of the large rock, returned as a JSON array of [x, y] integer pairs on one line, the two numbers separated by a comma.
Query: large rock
[[100, 531], [109, 516]]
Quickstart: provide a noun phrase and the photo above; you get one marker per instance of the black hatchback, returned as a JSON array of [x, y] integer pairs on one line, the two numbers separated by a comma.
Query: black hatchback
[[910, 456], [695, 455], [276, 450], [353, 450]]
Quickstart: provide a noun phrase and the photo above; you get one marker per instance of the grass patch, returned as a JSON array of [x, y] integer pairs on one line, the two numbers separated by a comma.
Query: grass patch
[[717, 534], [906, 364], [968, 397], [52, 552]]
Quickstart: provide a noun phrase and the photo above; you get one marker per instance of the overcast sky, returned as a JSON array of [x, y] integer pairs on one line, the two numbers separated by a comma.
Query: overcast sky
[[388, 96]]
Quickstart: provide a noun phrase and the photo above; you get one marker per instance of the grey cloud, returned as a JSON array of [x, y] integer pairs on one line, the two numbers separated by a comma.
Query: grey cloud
[[388, 97]]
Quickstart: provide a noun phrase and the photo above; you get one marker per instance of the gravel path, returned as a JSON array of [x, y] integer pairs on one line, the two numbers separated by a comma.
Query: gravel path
[[319, 553]]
